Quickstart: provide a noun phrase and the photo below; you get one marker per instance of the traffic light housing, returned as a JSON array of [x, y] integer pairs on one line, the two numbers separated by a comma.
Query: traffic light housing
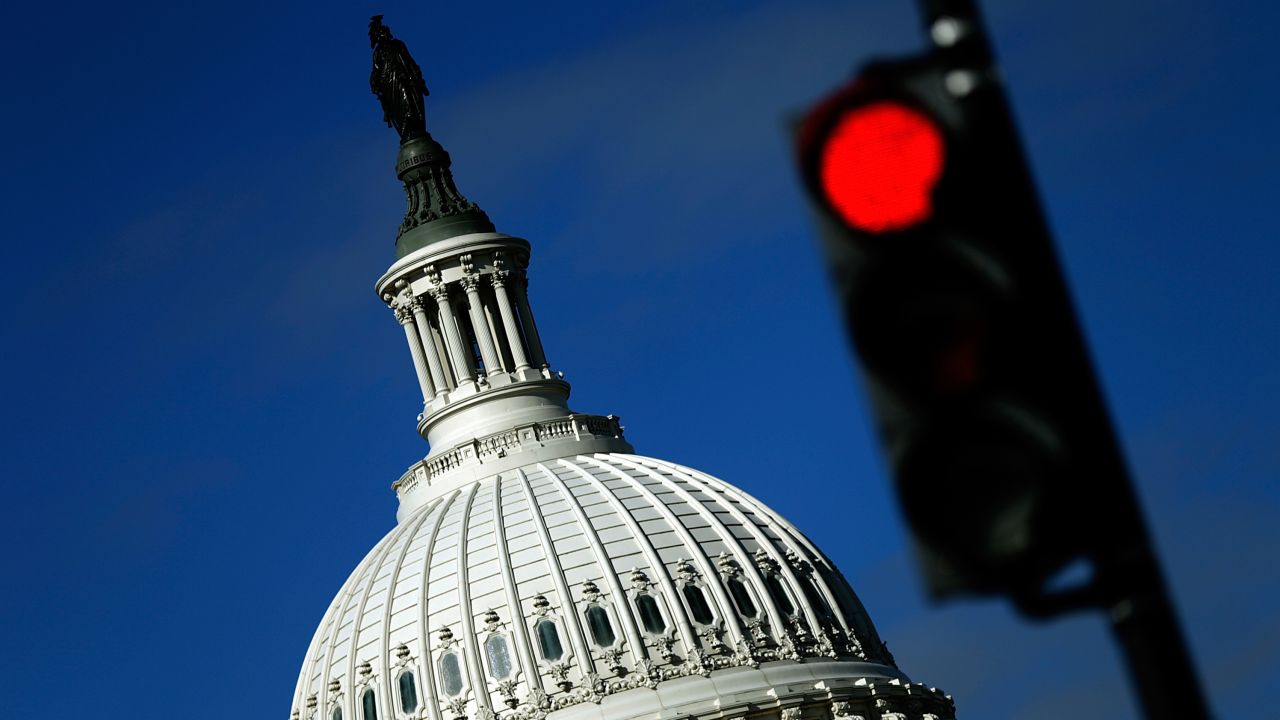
[[1001, 449], [995, 430]]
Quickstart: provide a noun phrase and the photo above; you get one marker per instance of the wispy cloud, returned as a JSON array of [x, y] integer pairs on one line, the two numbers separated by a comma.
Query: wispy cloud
[[675, 135]]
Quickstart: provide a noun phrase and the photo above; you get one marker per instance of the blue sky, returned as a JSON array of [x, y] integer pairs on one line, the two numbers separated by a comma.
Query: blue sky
[[205, 403]]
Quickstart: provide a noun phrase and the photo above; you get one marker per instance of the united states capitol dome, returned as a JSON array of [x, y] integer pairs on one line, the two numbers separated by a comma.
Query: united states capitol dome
[[539, 568]]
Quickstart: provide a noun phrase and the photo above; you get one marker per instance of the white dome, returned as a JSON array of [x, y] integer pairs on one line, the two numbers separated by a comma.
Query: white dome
[[604, 586], [540, 570]]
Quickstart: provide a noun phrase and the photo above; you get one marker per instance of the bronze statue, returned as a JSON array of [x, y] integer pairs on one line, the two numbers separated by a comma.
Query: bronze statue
[[397, 82]]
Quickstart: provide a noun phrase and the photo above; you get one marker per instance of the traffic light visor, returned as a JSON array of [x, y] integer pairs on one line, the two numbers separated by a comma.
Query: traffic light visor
[[879, 165]]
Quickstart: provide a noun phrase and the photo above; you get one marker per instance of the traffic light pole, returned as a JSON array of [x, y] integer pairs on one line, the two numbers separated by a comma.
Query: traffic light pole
[[1160, 667], [1128, 584]]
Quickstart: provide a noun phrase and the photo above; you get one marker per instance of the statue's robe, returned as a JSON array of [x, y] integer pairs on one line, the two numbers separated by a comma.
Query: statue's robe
[[397, 82]]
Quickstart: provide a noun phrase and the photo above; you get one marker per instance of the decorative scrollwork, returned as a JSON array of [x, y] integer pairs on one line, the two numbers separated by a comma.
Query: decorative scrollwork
[[541, 605], [699, 664], [491, 621], [797, 563], [727, 565], [766, 563], [710, 636], [458, 707], [560, 672], [665, 645], [640, 580], [507, 689], [612, 657], [445, 636]]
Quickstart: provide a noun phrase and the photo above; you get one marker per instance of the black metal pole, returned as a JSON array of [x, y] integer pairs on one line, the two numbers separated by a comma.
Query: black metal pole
[[1143, 619], [1128, 582], [1159, 664]]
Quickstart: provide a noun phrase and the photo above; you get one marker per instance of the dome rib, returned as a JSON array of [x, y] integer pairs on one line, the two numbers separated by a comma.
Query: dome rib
[[552, 560], [479, 687], [804, 547], [426, 663], [319, 665], [711, 577], [763, 541], [741, 555], [321, 668], [835, 589], [359, 628], [657, 566], [515, 614], [321, 639], [639, 650], [385, 655]]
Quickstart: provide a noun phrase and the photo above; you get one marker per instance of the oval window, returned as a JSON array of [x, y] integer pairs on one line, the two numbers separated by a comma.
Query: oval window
[[450, 674], [741, 598], [498, 655], [698, 607], [370, 705], [650, 615], [601, 628], [549, 640], [408, 692]]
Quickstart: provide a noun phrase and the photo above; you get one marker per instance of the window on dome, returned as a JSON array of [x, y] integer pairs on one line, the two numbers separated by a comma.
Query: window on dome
[[779, 595], [650, 615], [498, 656], [337, 713], [370, 705], [600, 627], [742, 598], [408, 692], [698, 607], [549, 640], [450, 674]]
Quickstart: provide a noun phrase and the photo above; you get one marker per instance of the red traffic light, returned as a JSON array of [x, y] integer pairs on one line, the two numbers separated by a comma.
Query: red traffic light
[[879, 164]]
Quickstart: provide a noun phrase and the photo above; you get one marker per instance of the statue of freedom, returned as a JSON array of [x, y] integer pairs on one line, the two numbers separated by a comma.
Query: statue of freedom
[[397, 82]]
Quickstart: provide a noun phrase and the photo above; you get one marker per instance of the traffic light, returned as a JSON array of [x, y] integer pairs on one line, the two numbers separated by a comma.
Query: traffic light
[[995, 430], [1002, 452]]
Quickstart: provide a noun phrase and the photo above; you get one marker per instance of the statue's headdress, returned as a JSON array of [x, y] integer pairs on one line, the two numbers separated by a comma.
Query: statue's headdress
[[377, 30]]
